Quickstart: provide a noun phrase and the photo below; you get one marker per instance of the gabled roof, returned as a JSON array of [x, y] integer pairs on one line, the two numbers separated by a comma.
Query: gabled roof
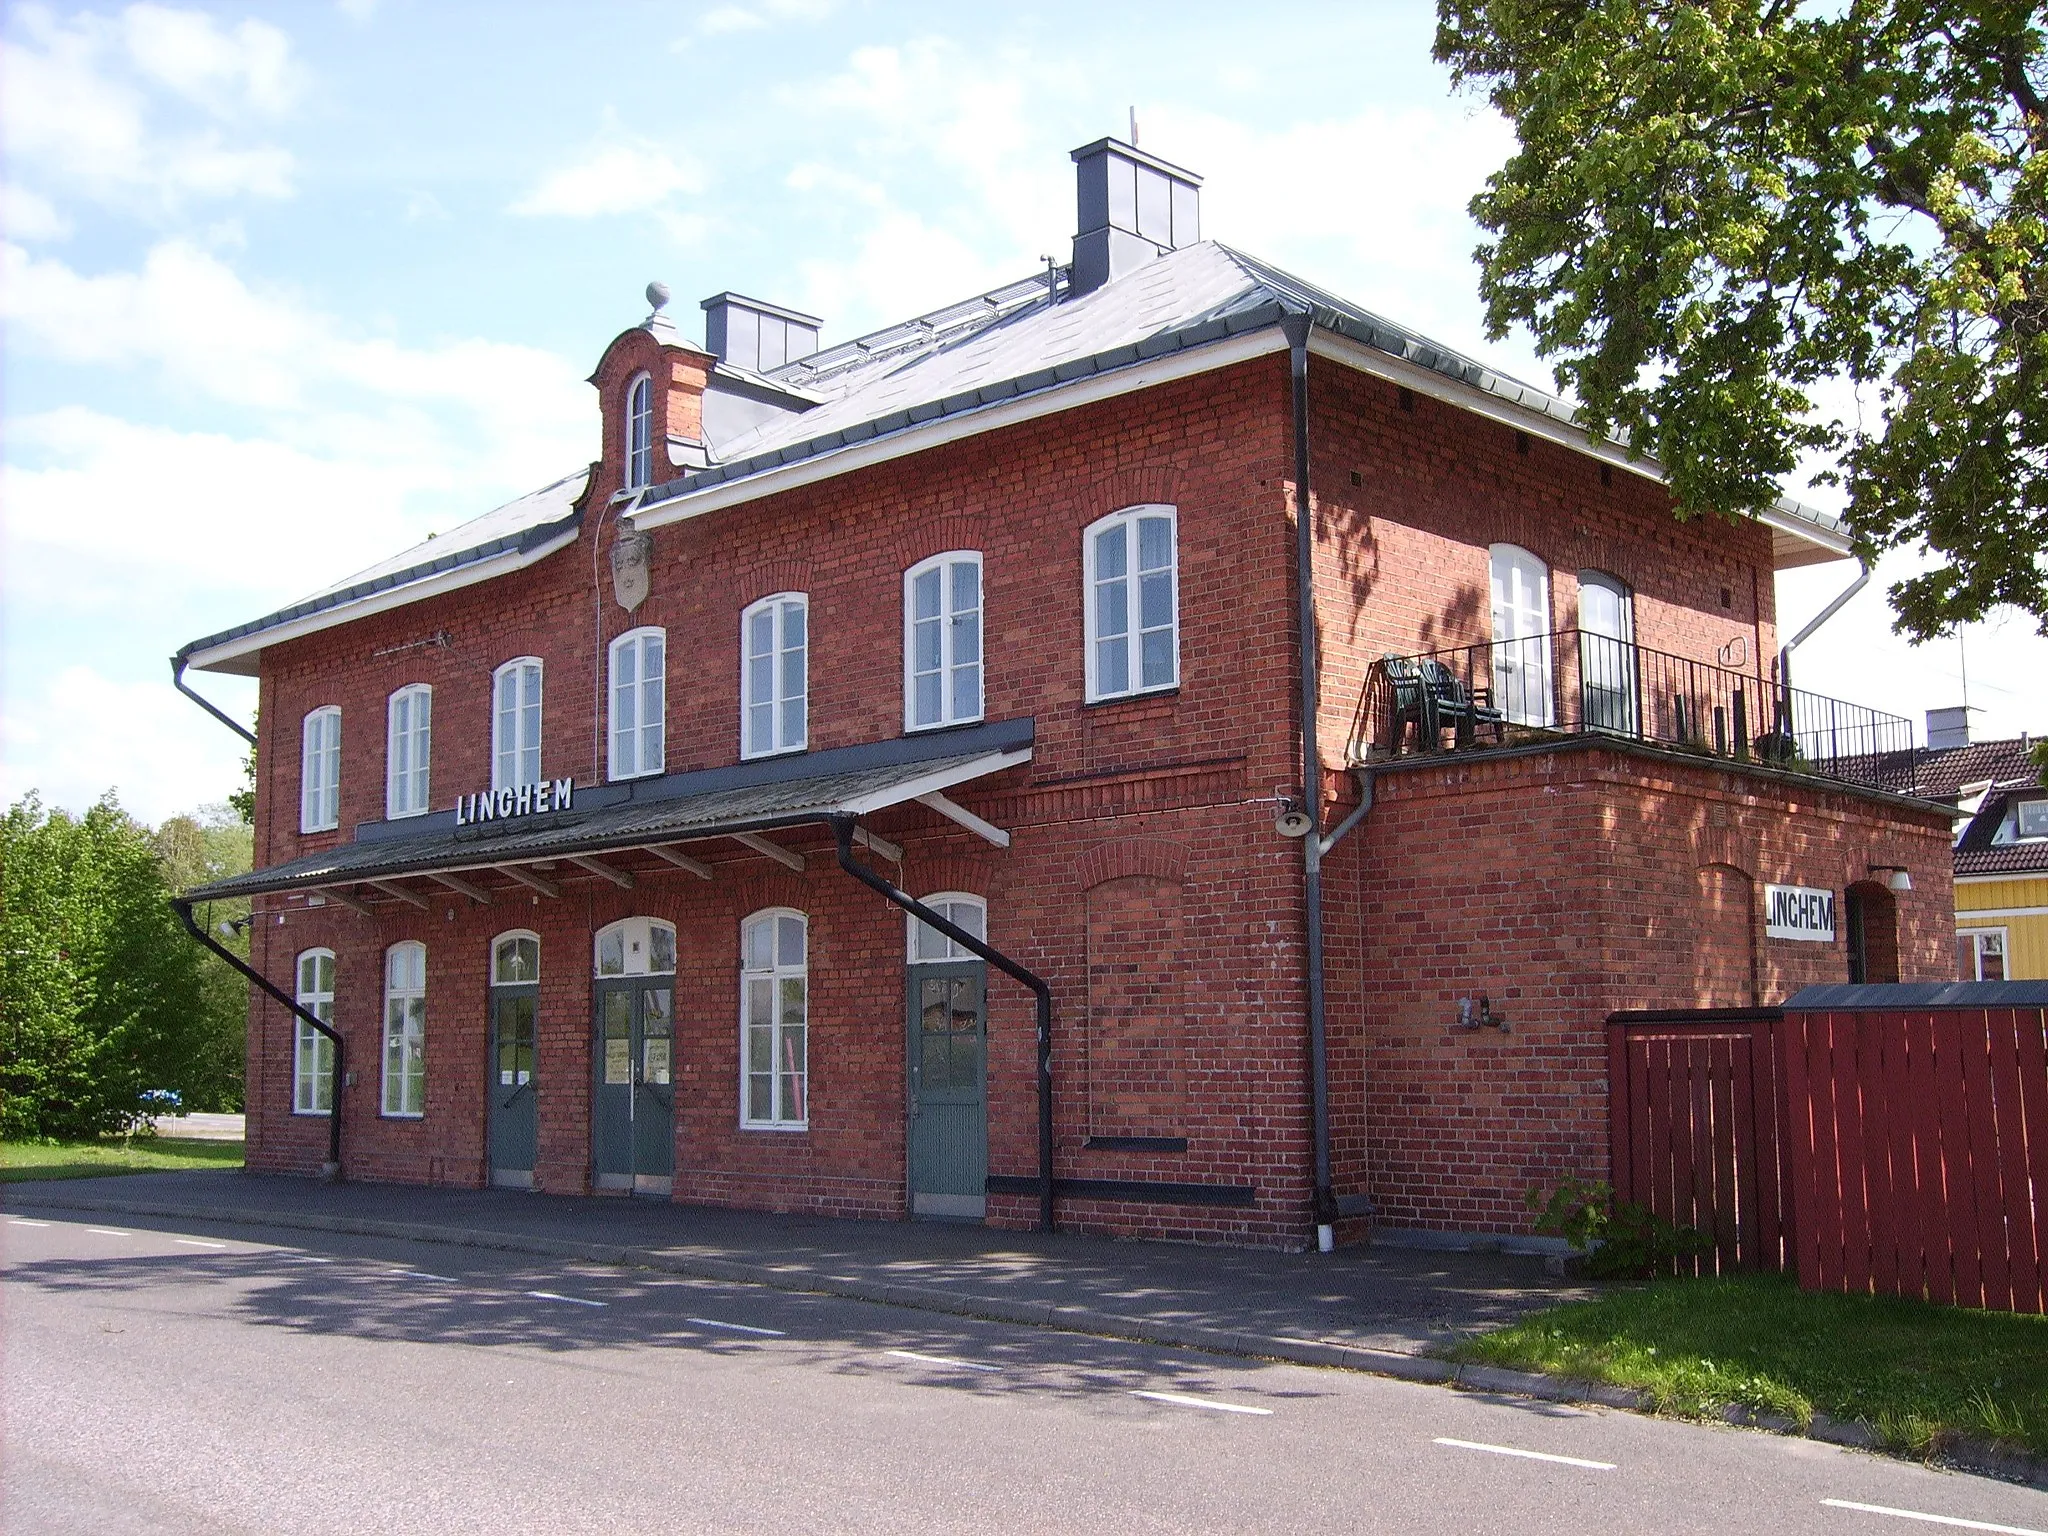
[[1977, 852], [1946, 772], [1026, 347]]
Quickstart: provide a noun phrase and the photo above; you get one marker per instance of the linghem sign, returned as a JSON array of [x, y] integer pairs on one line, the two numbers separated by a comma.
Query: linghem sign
[[504, 804], [1799, 912]]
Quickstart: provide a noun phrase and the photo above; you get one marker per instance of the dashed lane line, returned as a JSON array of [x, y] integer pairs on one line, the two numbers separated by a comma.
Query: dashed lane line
[[574, 1301], [107, 1232], [1515, 1450], [1955, 1521], [197, 1242], [18, 1221], [1179, 1400], [712, 1322], [964, 1365]]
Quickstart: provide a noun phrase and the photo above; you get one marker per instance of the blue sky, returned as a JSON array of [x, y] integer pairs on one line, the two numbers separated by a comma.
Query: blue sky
[[287, 287]]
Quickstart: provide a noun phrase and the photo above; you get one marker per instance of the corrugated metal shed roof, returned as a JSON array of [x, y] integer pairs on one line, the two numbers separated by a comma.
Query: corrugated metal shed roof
[[1849, 997]]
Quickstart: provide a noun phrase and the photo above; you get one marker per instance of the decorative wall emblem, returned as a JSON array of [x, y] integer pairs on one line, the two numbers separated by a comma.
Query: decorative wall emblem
[[632, 551]]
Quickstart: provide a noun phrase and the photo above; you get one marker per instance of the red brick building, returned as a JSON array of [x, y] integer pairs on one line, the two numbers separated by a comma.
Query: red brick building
[[559, 815]]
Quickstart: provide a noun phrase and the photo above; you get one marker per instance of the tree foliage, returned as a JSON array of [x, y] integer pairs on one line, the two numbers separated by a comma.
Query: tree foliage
[[1718, 208], [103, 996]]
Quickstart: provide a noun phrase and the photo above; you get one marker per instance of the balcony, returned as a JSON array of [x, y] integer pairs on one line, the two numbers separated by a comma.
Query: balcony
[[1537, 688]]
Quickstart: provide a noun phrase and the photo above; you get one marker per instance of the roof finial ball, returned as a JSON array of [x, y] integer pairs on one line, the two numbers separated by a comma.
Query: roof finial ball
[[657, 295]]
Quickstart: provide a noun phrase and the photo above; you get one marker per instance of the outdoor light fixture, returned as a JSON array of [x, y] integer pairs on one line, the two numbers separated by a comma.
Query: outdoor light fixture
[[1290, 816], [1895, 878], [1479, 1014]]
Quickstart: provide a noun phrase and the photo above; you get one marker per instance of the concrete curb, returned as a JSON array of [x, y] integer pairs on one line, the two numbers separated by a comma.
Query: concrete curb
[[1965, 1455]]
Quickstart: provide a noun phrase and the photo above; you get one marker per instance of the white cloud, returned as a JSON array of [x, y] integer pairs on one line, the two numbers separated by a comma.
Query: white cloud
[[611, 179], [730, 18], [84, 106], [27, 215], [724, 20]]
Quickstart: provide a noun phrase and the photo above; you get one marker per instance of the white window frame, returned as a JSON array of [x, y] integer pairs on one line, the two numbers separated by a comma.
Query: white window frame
[[405, 1036], [519, 722], [948, 904], [647, 756], [320, 769], [782, 734], [408, 752], [948, 626], [639, 440], [636, 937], [1095, 590], [510, 936], [2020, 830], [1977, 936], [313, 1052], [783, 1116], [1522, 682]]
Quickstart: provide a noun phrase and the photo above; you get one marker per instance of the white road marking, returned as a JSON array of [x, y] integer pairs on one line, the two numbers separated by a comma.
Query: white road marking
[[197, 1242], [1914, 1514], [965, 1365], [1510, 1450], [16, 1221], [306, 1258], [105, 1232], [421, 1274], [1201, 1402], [712, 1322], [574, 1301]]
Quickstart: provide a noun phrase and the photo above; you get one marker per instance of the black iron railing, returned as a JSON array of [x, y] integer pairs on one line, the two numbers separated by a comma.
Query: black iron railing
[[1572, 682]]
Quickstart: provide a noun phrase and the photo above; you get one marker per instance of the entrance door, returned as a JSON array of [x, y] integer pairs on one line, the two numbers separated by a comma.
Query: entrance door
[[949, 1089], [1607, 653], [1521, 639], [513, 1106], [633, 1099]]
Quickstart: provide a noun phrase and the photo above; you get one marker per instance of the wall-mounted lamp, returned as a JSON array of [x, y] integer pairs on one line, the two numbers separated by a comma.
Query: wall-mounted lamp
[[1479, 1014], [1895, 878], [1290, 816]]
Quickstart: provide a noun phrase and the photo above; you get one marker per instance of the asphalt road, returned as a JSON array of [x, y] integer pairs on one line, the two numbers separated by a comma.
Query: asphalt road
[[182, 1377]]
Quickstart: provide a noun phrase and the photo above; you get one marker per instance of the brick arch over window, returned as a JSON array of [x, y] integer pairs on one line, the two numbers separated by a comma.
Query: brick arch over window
[[1725, 845], [1152, 483], [1724, 938], [1132, 856], [787, 575], [926, 537], [951, 872], [770, 886]]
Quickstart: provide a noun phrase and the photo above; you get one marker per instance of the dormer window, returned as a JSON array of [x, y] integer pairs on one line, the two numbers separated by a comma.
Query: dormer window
[[2032, 817], [640, 433]]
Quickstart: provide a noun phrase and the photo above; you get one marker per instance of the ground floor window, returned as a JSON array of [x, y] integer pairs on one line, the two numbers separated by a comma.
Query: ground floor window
[[774, 1019], [405, 1029], [313, 1052], [1980, 954]]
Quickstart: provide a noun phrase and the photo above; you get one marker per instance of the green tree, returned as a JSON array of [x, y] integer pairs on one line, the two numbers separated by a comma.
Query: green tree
[[210, 845], [102, 995], [1717, 208]]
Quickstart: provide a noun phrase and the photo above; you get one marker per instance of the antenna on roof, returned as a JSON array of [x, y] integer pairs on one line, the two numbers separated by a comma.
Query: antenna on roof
[[1134, 127]]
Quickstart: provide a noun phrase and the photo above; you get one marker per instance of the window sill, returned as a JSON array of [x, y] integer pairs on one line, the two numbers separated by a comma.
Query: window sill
[[759, 757], [391, 815], [1149, 695], [630, 778], [393, 1114], [313, 1114], [778, 1127], [947, 725]]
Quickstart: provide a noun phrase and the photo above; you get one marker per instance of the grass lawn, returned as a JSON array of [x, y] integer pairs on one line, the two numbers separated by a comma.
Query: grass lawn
[[21, 1160], [1913, 1371]]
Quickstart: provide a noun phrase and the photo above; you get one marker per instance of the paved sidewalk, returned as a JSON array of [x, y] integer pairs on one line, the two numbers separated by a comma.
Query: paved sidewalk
[[1371, 1308]]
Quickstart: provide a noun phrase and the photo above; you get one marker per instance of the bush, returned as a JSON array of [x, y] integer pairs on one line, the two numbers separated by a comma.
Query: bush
[[1624, 1241]]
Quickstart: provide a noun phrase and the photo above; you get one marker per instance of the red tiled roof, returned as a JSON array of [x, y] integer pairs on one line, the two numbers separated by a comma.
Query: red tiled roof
[[1944, 773]]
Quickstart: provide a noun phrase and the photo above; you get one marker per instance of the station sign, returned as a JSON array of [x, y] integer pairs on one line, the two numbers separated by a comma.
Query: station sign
[[1799, 912], [508, 804]]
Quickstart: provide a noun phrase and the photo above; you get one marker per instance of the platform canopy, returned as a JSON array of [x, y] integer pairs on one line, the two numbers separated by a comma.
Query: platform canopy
[[623, 833]]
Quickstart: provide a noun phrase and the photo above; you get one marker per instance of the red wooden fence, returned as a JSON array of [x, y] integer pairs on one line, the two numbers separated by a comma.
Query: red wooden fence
[[1919, 1152], [1696, 1120]]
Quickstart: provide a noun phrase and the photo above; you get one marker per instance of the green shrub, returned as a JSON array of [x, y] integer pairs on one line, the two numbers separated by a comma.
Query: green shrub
[[1622, 1240]]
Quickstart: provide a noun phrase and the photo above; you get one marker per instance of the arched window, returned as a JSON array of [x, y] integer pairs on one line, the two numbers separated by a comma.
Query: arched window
[[515, 959], [320, 770], [774, 675], [313, 1052], [515, 723], [1521, 635], [1607, 652], [408, 750], [942, 641], [639, 703], [1132, 602], [774, 1019], [639, 433], [636, 946], [928, 944], [405, 1030]]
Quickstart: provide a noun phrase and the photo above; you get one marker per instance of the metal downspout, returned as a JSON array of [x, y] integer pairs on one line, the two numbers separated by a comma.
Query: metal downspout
[[178, 682], [1785, 651], [842, 832], [256, 977], [1323, 1200]]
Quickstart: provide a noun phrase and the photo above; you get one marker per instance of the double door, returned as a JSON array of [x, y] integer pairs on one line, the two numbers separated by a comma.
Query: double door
[[514, 1105], [634, 1100], [948, 1055]]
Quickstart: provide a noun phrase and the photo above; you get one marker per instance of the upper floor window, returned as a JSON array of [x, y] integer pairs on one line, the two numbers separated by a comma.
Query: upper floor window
[[1520, 586], [320, 770], [927, 944], [313, 1052], [408, 750], [1607, 652], [405, 1029], [639, 702], [1133, 602], [640, 433], [2030, 818], [942, 641], [774, 1013], [515, 724], [775, 674]]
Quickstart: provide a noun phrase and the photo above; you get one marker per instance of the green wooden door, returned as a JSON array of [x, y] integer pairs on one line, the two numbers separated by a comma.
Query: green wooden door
[[633, 1098], [948, 1057], [514, 1104]]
